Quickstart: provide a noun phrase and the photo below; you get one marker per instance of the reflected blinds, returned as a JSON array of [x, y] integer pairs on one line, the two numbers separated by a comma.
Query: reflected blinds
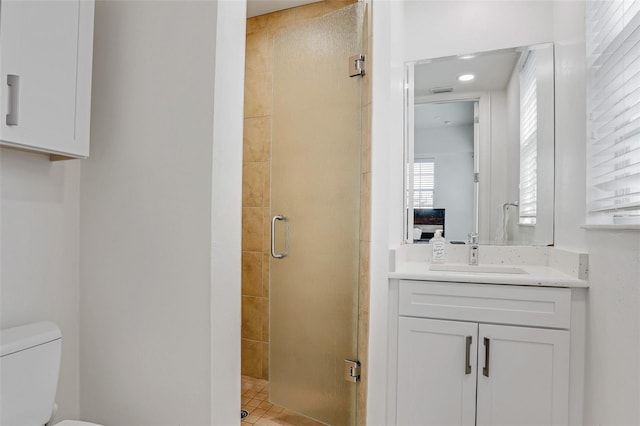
[[613, 107], [423, 183], [528, 140]]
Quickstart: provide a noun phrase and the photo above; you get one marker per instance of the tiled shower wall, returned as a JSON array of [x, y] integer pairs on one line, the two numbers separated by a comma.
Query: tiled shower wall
[[256, 189]]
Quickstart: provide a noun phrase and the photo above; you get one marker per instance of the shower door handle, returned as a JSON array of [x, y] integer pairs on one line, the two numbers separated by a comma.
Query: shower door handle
[[273, 237]]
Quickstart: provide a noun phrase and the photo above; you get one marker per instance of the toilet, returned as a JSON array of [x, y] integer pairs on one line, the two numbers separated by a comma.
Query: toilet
[[29, 366]]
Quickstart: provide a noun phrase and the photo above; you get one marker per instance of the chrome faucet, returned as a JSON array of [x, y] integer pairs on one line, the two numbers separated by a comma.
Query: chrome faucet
[[473, 248]]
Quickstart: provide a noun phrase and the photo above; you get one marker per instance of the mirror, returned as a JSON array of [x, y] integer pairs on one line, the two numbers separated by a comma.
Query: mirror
[[479, 147]]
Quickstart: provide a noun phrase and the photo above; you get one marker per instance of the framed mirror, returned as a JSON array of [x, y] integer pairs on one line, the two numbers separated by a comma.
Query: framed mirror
[[479, 147]]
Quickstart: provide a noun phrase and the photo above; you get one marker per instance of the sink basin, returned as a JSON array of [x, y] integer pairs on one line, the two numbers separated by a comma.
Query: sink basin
[[484, 269]]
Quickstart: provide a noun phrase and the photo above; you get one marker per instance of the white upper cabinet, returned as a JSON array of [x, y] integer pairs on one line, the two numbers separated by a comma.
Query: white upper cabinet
[[46, 49]]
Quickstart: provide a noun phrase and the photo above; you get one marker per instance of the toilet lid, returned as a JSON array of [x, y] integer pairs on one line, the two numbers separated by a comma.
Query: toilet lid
[[75, 423]]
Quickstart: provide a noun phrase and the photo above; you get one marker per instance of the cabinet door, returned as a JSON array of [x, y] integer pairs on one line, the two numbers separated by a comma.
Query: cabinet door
[[45, 65], [436, 372], [523, 376]]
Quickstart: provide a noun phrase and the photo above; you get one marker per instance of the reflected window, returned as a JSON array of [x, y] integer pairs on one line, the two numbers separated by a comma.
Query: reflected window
[[423, 183], [528, 141]]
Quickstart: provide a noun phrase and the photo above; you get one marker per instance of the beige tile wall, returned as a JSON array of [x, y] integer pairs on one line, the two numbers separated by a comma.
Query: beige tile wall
[[256, 184]]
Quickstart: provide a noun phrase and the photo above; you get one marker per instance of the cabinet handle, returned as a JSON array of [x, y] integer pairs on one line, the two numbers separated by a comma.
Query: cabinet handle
[[467, 360], [273, 237], [485, 369], [13, 83]]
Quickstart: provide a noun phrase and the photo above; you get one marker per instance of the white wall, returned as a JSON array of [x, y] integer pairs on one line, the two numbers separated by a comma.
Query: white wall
[[160, 223], [149, 194], [226, 216], [472, 26], [39, 255], [612, 382], [386, 164], [571, 134]]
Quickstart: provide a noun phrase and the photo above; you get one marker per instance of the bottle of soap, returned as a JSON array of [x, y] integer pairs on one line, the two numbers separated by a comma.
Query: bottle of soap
[[437, 246]]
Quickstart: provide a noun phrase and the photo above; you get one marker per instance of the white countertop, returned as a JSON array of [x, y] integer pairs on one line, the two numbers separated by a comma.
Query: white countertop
[[535, 275]]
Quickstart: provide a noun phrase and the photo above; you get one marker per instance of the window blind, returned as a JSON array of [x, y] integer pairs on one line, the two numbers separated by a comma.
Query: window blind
[[613, 107], [423, 183], [528, 141]]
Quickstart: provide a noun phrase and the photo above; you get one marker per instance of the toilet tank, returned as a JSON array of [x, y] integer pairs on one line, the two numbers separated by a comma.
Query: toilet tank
[[29, 364]]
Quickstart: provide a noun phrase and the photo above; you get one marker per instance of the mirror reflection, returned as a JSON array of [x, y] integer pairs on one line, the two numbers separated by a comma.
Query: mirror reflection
[[479, 148]]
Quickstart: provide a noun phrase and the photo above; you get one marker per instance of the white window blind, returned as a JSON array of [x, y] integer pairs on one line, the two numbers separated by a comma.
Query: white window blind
[[613, 107], [528, 141], [423, 183]]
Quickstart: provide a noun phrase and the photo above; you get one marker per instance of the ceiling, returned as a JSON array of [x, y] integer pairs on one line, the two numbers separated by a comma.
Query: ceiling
[[261, 7]]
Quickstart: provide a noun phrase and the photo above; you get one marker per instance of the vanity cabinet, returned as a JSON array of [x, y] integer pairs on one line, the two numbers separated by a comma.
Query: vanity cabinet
[[45, 67], [479, 354]]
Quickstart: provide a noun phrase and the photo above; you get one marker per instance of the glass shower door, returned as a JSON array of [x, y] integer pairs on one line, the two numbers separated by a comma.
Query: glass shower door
[[315, 194]]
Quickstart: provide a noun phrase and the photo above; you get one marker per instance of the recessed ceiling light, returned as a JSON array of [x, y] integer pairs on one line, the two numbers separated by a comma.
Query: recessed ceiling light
[[466, 77]]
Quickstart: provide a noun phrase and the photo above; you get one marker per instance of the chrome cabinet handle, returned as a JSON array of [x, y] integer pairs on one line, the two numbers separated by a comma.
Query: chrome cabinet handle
[[467, 360], [273, 237], [485, 369], [13, 82]]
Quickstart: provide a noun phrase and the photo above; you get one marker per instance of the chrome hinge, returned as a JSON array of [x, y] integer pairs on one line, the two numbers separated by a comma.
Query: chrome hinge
[[476, 177], [351, 370], [356, 65]]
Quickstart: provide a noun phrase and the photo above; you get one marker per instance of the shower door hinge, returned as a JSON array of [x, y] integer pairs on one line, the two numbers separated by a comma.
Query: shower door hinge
[[476, 177], [356, 65], [351, 370]]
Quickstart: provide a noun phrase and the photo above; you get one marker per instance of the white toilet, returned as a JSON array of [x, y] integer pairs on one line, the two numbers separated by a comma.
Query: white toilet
[[29, 365]]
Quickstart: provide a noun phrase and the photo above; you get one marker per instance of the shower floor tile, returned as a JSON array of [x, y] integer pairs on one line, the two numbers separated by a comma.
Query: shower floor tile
[[255, 400]]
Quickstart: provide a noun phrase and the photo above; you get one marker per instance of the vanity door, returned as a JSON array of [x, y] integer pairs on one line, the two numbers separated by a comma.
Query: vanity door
[[523, 376], [436, 372]]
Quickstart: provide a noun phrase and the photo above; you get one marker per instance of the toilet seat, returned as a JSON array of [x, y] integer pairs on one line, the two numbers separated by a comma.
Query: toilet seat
[[75, 423]]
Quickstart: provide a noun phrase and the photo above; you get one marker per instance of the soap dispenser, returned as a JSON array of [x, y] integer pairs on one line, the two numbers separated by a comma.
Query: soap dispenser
[[437, 247]]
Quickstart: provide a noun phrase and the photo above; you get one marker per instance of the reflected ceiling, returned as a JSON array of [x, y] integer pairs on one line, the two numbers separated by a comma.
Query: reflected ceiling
[[447, 114], [492, 72]]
